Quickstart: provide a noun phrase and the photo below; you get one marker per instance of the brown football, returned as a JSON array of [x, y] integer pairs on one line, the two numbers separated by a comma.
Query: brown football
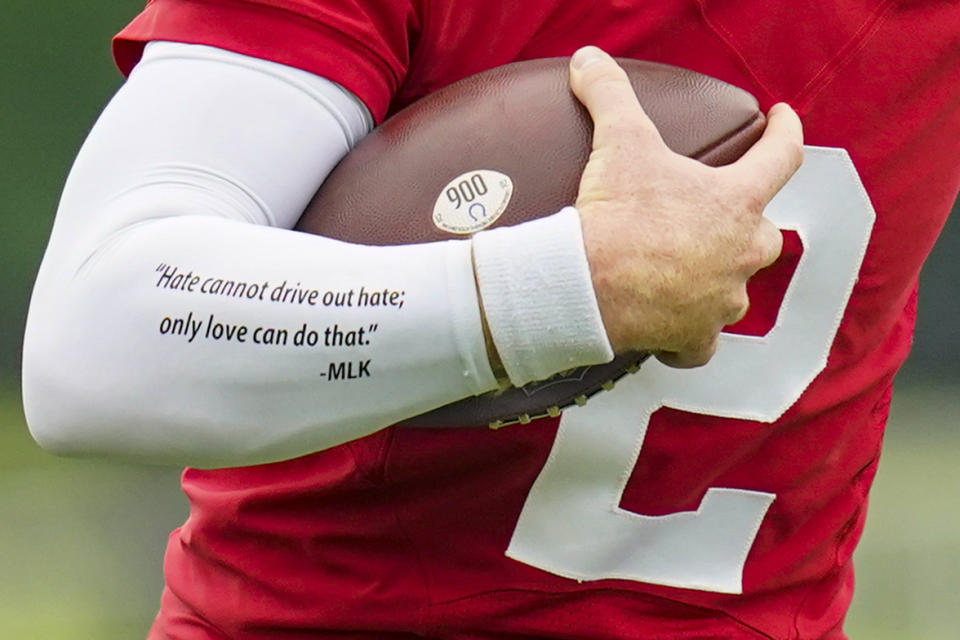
[[499, 148]]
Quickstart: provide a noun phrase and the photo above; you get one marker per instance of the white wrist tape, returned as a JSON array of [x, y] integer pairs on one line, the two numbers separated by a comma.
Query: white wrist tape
[[538, 298]]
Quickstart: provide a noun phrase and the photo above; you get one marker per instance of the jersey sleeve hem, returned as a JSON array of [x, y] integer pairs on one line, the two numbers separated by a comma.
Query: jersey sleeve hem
[[267, 33]]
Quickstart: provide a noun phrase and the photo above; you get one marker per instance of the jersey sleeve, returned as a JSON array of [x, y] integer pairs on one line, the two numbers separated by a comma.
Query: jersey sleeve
[[363, 45]]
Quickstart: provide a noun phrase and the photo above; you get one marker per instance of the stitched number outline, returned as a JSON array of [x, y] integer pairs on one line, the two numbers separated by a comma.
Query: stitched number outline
[[571, 524]]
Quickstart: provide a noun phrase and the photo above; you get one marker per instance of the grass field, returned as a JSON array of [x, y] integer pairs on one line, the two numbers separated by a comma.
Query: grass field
[[81, 541]]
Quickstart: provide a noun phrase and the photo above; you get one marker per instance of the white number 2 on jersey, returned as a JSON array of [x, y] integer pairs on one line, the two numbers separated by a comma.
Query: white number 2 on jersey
[[571, 524]]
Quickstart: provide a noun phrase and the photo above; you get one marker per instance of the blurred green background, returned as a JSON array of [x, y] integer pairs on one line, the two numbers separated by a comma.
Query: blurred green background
[[81, 541]]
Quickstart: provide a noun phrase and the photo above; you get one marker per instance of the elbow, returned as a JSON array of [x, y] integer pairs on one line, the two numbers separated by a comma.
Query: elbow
[[76, 406], [48, 429], [56, 386], [54, 417]]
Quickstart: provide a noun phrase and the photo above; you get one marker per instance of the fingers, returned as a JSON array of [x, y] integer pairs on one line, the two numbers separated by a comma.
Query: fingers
[[769, 241], [604, 89], [684, 195], [688, 359], [775, 157]]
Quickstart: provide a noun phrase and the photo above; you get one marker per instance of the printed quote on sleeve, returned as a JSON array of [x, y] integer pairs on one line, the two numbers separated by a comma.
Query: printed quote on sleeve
[[195, 327]]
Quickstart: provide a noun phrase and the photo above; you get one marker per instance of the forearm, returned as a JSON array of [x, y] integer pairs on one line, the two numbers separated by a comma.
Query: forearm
[[177, 319], [182, 346], [167, 181]]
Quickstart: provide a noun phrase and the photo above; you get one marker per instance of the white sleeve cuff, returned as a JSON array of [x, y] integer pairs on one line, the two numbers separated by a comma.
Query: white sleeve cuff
[[538, 297]]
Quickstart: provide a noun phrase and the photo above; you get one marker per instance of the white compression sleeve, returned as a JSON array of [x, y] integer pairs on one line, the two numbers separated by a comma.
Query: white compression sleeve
[[136, 344], [170, 322]]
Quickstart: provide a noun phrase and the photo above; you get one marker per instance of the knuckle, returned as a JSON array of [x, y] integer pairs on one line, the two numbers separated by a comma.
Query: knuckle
[[687, 358], [771, 243], [695, 359], [739, 304], [732, 306], [764, 250], [702, 353], [794, 154]]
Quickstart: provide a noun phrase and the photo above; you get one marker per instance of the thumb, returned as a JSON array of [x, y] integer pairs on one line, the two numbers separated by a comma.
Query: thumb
[[605, 90]]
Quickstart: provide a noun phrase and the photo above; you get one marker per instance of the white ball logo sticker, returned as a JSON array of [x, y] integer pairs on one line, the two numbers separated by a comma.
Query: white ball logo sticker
[[472, 201]]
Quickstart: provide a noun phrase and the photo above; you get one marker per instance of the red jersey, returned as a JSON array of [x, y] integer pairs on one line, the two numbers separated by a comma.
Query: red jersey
[[723, 502]]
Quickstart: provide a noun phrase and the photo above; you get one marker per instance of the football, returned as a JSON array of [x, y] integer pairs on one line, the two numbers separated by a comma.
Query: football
[[500, 148]]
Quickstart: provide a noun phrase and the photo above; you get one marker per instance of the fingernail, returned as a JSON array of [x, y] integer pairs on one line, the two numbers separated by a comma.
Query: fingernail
[[586, 56]]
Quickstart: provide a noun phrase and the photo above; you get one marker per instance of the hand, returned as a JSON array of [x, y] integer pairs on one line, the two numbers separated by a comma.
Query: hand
[[672, 242]]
